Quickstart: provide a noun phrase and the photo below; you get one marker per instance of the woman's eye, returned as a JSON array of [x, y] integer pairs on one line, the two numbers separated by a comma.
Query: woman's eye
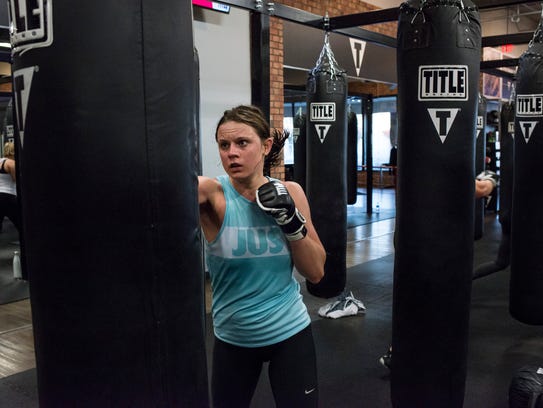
[[243, 143]]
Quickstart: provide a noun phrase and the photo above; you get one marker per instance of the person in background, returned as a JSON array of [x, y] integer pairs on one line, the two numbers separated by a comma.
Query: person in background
[[9, 206], [256, 230], [485, 183]]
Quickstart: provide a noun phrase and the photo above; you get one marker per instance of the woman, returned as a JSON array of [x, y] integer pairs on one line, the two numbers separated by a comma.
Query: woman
[[256, 229], [8, 192]]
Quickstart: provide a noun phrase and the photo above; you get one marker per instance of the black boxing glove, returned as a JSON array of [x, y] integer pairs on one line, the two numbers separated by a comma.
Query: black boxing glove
[[274, 199], [489, 175]]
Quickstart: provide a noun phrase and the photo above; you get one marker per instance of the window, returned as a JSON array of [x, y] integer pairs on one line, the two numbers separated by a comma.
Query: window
[[291, 109], [383, 121], [381, 138]]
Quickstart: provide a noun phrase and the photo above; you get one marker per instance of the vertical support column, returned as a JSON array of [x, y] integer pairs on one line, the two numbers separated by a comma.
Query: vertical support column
[[368, 135], [352, 156], [260, 61]]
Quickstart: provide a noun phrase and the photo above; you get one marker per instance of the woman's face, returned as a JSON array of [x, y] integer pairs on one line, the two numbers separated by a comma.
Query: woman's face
[[241, 149]]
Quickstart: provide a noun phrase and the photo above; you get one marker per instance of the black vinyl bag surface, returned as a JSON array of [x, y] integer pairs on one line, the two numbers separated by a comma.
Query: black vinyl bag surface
[[106, 120], [438, 56]]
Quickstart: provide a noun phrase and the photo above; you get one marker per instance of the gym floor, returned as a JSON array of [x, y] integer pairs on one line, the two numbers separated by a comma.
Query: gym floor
[[349, 348]]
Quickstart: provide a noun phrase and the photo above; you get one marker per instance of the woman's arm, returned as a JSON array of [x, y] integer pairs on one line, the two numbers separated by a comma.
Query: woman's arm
[[8, 166], [204, 186], [308, 253], [483, 188], [485, 182], [212, 206]]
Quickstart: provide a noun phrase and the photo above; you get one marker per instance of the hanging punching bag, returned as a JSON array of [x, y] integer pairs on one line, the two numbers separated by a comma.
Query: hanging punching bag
[[507, 132], [109, 196], [480, 154], [526, 302], [326, 167], [507, 148], [438, 73], [300, 137], [352, 158]]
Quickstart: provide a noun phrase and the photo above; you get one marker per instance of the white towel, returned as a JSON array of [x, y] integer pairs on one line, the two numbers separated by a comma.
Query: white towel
[[345, 305]]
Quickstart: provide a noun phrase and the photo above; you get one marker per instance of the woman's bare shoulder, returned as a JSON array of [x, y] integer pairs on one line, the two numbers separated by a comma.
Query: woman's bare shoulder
[[207, 188]]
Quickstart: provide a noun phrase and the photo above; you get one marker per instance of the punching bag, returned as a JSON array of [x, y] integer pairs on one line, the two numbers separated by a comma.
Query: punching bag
[[480, 154], [300, 137], [438, 59], [507, 132], [326, 176], [507, 149], [526, 302], [352, 158], [526, 387], [106, 123]]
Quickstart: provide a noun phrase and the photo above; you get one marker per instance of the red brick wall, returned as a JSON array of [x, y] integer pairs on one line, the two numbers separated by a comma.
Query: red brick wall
[[321, 7], [276, 84]]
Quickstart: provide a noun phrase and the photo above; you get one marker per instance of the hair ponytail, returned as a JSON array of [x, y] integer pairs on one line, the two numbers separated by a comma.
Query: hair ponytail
[[274, 156]]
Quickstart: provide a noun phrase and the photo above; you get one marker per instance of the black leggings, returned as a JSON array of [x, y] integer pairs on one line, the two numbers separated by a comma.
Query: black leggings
[[9, 207], [292, 371]]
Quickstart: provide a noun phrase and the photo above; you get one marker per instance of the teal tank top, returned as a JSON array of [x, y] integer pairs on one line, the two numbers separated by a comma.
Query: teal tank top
[[256, 299]]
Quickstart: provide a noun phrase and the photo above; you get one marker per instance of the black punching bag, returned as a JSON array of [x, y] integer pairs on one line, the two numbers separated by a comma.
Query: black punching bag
[[507, 132], [507, 149], [352, 158], [438, 74], [300, 137], [106, 122], [480, 154], [326, 167], [526, 288]]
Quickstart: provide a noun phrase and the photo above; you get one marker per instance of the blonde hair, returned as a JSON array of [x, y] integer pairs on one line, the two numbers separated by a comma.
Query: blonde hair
[[9, 150]]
